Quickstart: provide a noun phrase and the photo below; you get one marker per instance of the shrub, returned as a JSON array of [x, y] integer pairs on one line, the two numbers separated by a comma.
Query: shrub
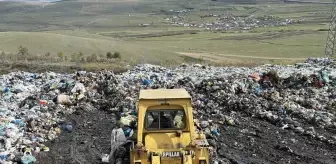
[[77, 57], [80, 54], [323, 29], [116, 55], [109, 55], [47, 54], [83, 59], [92, 58], [22, 50], [60, 55], [74, 57]]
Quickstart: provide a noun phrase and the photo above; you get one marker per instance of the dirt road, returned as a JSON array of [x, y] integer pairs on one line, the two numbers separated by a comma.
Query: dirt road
[[222, 57]]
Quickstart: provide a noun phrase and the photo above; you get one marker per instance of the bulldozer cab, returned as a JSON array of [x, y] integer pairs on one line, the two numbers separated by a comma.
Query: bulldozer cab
[[166, 131], [168, 119]]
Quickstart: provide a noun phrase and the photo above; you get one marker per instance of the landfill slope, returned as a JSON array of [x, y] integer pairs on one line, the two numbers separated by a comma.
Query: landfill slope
[[264, 114]]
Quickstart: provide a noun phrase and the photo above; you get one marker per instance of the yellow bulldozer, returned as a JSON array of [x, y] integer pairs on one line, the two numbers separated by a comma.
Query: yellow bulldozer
[[166, 130]]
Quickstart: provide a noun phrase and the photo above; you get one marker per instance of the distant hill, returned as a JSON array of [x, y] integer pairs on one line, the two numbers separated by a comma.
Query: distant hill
[[310, 1], [30, 0], [247, 1]]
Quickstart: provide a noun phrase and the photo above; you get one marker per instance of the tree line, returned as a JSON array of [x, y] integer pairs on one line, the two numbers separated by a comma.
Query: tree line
[[24, 54]]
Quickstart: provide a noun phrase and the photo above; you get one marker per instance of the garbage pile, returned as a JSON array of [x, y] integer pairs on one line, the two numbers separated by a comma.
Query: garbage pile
[[294, 97]]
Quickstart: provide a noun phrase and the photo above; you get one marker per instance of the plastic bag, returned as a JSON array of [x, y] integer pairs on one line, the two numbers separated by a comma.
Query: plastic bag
[[28, 159], [79, 87]]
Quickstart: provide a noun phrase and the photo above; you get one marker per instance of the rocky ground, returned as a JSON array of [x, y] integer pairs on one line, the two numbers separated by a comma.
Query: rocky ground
[[265, 114]]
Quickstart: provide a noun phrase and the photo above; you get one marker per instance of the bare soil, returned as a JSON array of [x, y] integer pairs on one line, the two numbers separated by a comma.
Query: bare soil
[[267, 35], [252, 141], [223, 57]]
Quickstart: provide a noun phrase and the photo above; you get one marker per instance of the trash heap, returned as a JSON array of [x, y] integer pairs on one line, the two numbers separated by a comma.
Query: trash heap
[[294, 97]]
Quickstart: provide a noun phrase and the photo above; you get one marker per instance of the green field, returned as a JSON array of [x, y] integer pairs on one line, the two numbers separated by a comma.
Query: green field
[[114, 26]]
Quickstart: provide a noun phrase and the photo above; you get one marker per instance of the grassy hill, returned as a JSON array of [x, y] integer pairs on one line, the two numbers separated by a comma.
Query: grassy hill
[[108, 26]]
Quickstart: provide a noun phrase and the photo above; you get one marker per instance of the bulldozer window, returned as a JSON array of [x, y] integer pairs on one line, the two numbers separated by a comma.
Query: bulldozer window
[[165, 119]]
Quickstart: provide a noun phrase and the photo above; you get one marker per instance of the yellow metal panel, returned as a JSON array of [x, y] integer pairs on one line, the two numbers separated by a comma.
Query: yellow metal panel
[[189, 114], [141, 116], [166, 141], [173, 106], [202, 154], [164, 94], [171, 161], [156, 160], [187, 159], [152, 102]]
